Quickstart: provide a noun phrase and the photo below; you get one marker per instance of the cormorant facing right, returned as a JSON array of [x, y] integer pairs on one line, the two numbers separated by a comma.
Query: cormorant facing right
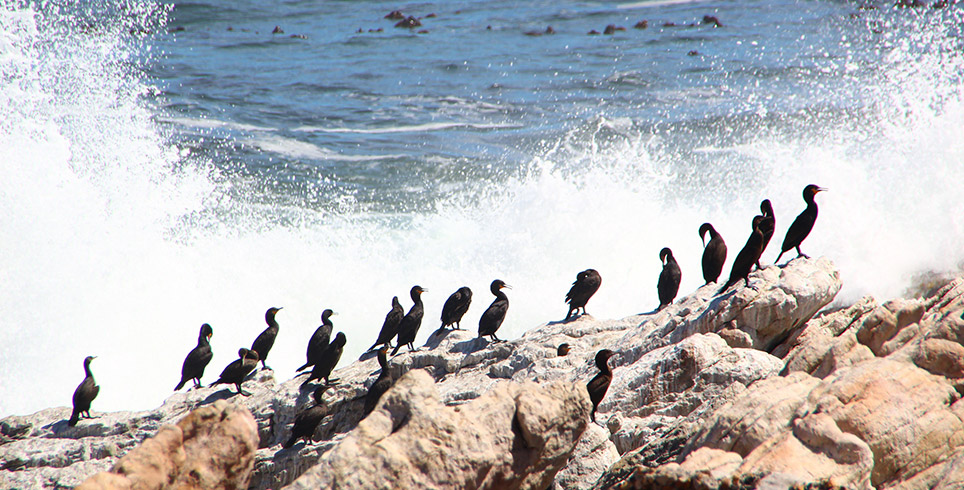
[[586, 284], [390, 327], [328, 360], [381, 385], [197, 359], [493, 317], [308, 419], [803, 224], [767, 226], [669, 278], [600, 383], [235, 372], [262, 345], [408, 328], [84, 394], [562, 350], [319, 340], [747, 257], [455, 307], [714, 253]]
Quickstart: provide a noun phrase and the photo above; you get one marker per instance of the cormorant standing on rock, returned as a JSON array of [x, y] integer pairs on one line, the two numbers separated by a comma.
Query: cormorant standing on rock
[[586, 284], [562, 350], [390, 327], [197, 359], [669, 278], [747, 257], [235, 372], [262, 345], [492, 318], [381, 385], [308, 419], [84, 394], [714, 253], [455, 307], [803, 224], [598, 385], [408, 328], [319, 340], [767, 226], [328, 360]]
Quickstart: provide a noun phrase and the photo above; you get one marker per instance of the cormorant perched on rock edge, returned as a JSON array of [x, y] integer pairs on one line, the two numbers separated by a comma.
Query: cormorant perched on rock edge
[[197, 359], [803, 224], [586, 284], [262, 345], [598, 385], [455, 307], [381, 385], [669, 278], [408, 328], [767, 226], [319, 340], [390, 327], [235, 372], [308, 419], [747, 257], [714, 253], [328, 360], [84, 394], [494, 315]]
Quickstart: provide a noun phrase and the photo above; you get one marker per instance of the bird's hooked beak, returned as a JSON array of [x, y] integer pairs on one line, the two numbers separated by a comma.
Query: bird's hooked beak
[[506, 286]]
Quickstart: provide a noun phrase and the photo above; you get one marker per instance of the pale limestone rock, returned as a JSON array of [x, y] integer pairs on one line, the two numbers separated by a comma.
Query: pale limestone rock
[[593, 455]]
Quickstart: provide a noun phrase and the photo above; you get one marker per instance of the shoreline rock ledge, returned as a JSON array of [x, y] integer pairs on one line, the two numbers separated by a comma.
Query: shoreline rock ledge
[[760, 387]]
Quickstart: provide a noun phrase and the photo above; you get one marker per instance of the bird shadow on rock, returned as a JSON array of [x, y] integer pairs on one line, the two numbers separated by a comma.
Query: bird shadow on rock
[[368, 355], [473, 345], [222, 394], [435, 338], [569, 320]]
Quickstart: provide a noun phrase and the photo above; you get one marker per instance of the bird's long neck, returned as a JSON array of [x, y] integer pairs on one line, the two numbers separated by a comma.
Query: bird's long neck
[[202, 340], [382, 360], [603, 365], [417, 298], [269, 319], [811, 205], [499, 295], [87, 370]]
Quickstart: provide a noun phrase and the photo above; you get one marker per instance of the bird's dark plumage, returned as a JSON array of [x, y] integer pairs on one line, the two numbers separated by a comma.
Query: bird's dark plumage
[[262, 345], [381, 385], [308, 419], [669, 278], [747, 257], [390, 327], [801, 226], [598, 385], [562, 350], [714, 253], [319, 340], [767, 225], [84, 394], [495, 314], [197, 359], [235, 372], [408, 327], [455, 307], [586, 284], [328, 360]]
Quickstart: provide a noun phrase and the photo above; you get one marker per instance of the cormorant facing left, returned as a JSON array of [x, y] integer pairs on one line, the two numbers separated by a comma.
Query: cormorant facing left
[[803, 224], [408, 328], [235, 372], [714, 253], [308, 419], [319, 340], [455, 308], [600, 383], [747, 257], [586, 284], [328, 360], [262, 345], [381, 385], [494, 316], [84, 394], [197, 359], [669, 278], [767, 226]]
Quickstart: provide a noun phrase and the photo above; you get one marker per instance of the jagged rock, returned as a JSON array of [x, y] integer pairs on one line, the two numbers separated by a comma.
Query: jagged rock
[[593, 455], [516, 436]]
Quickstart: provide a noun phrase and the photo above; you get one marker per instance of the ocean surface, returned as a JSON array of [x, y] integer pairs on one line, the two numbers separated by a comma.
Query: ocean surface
[[163, 165]]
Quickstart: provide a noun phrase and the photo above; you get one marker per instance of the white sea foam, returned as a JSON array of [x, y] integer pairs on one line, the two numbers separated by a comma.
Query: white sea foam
[[412, 128]]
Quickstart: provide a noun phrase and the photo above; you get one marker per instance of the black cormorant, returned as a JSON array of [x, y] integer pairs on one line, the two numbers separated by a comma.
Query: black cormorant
[[381, 385], [308, 419], [492, 318], [586, 284], [390, 327], [562, 350], [262, 345], [714, 253], [600, 383], [747, 257], [197, 359], [669, 278], [408, 328], [319, 340], [328, 360], [767, 226], [84, 394], [455, 307], [235, 372], [803, 224]]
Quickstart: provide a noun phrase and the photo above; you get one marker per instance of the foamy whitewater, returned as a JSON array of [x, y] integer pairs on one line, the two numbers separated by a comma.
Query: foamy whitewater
[[136, 206]]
